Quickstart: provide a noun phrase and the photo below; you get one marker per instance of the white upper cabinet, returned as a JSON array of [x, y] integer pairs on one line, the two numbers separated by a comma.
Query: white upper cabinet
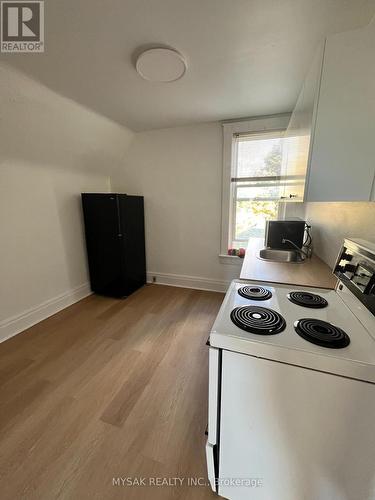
[[296, 149], [342, 162]]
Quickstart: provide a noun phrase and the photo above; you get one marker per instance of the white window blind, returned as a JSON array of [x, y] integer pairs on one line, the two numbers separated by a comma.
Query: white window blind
[[257, 170]]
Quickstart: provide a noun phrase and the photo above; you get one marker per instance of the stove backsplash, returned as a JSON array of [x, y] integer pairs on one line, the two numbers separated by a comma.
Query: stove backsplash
[[332, 222]]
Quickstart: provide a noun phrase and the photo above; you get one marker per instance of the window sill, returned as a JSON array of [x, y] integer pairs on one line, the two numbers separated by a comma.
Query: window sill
[[232, 260]]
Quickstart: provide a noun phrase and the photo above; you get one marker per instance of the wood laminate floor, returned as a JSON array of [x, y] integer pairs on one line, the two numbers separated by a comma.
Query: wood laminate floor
[[108, 389]]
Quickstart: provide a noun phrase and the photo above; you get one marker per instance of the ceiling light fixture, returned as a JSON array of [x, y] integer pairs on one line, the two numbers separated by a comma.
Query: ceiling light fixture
[[161, 64]]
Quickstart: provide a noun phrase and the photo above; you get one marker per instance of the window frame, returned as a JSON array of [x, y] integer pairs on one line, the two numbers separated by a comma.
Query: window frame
[[259, 125]]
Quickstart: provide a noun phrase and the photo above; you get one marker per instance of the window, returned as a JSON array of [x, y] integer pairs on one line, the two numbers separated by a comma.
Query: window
[[256, 186], [253, 180]]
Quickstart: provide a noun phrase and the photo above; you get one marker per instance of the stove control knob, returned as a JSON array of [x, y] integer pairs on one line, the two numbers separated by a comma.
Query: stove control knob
[[346, 256], [350, 268]]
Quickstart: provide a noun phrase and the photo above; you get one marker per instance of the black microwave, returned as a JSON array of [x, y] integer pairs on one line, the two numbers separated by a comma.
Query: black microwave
[[285, 234]]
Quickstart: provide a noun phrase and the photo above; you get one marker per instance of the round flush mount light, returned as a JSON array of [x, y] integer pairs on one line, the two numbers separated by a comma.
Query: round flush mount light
[[161, 64]]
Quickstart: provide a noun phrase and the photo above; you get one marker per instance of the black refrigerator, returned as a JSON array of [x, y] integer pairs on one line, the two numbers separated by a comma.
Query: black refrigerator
[[115, 241]]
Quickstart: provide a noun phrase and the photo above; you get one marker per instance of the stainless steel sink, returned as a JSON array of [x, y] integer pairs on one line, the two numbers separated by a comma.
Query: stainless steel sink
[[273, 255]]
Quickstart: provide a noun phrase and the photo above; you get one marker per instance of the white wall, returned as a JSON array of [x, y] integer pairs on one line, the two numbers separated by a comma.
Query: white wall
[[179, 171], [333, 221], [51, 150]]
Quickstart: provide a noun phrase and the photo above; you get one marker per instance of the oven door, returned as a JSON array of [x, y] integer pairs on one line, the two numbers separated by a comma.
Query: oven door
[[288, 433]]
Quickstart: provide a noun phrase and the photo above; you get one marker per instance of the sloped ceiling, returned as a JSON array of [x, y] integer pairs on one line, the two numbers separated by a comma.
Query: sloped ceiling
[[245, 57]]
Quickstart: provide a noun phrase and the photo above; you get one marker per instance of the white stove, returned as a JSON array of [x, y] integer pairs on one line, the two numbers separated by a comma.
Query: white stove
[[357, 360], [292, 387]]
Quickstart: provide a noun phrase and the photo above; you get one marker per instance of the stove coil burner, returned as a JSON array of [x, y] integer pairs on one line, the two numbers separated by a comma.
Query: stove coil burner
[[255, 292], [321, 333], [258, 320], [307, 299]]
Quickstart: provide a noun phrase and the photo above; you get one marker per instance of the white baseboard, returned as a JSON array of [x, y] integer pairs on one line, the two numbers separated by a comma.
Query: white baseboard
[[20, 322], [16, 324], [183, 281]]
